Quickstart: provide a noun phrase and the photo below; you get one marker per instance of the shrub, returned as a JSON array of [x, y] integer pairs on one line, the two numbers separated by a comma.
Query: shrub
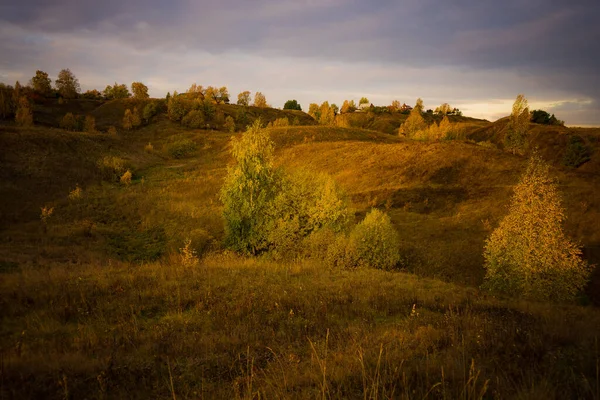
[[24, 116], [281, 122], [529, 255], [69, 122], [90, 124], [112, 167], [75, 194], [516, 136], [149, 148], [112, 131], [126, 178], [127, 120], [229, 124], [576, 153], [194, 119], [181, 148], [375, 241], [149, 111]]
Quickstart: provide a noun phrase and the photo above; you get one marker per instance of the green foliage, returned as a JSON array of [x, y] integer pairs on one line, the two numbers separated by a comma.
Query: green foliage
[[140, 91], [181, 148], [194, 119], [375, 241], [248, 191], [292, 105], [529, 255], [67, 84], [177, 107], [577, 152], [149, 111], [544, 118], [516, 136], [117, 91], [41, 83], [363, 102]]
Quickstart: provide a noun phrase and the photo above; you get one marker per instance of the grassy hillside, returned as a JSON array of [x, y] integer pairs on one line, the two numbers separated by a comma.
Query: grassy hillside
[[98, 303]]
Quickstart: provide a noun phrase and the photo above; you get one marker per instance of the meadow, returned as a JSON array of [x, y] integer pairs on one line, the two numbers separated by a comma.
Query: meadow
[[102, 298]]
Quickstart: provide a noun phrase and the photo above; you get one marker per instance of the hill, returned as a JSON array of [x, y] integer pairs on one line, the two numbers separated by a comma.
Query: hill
[[97, 302]]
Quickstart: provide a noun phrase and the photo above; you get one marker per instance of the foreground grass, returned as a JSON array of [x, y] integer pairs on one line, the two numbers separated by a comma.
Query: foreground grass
[[231, 327]]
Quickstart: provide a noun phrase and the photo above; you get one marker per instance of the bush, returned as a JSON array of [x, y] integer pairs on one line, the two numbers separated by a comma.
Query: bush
[[69, 122], [112, 167], [529, 255], [375, 241], [229, 124], [149, 111], [181, 148], [90, 124], [126, 178], [194, 119], [576, 153], [112, 131], [24, 115]]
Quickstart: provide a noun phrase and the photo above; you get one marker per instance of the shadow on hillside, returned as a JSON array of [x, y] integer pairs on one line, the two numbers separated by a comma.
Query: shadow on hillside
[[592, 254]]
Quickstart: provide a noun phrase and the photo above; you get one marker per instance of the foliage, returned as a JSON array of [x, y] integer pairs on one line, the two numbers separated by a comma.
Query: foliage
[[348, 107], [92, 95], [413, 124], [181, 148], [363, 102], [229, 124], [419, 106], [41, 83], [117, 91], [529, 255], [89, 124], [149, 111], [260, 100], [243, 98], [139, 90], [194, 119], [444, 109], [375, 241], [69, 122], [223, 95], [127, 120], [577, 152], [177, 107], [292, 105], [112, 167], [518, 126], [279, 122], [112, 130], [7, 104], [248, 191], [67, 84], [544, 118], [126, 178], [24, 115]]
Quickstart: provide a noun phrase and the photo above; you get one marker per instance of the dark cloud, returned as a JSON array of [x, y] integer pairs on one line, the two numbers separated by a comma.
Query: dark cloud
[[549, 46]]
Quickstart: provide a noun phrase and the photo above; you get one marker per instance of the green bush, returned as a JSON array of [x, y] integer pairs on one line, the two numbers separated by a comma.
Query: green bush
[[576, 153], [375, 241], [181, 148], [194, 119]]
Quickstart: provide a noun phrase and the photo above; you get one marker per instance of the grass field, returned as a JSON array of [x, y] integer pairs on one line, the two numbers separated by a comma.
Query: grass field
[[97, 302]]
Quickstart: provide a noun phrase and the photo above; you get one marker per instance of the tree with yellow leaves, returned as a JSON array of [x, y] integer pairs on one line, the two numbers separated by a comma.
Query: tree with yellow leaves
[[529, 255]]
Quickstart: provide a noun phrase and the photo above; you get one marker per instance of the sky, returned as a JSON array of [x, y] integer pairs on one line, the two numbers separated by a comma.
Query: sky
[[477, 55]]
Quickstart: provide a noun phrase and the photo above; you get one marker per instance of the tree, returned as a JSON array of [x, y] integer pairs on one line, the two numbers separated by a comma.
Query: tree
[[194, 119], [24, 116], [348, 107], [149, 111], [292, 105], [518, 125], [7, 106], [211, 94], [117, 91], [326, 114], [224, 95], [41, 83], [528, 254], [375, 241], [260, 100], [229, 124], [314, 111], [419, 106], [249, 188], [92, 95], [196, 91], [69, 122], [444, 109], [139, 90], [177, 107], [90, 124], [364, 102], [244, 98], [395, 106], [67, 84], [128, 120], [136, 120], [413, 124]]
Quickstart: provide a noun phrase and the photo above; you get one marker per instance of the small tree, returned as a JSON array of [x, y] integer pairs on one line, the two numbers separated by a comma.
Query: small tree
[[69, 122], [516, 136], [292, 105], [314, 111], [140, 91], [41, 83], [90, 124], [529, 255], [375, 241], [177, 107], [149, 111], [24, 115], [223, 95], [363, 102], [127, 120], [348, 107], [244, 98], [413, 124], [249, 188], [260, 100], [67, 84], [136, 120], [117, 91], [444, 109], [229, 124]]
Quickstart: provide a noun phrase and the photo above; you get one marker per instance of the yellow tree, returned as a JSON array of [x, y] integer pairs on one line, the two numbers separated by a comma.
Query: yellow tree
[[139, 90], [529, 254], [127, 120], [24, 116], [260, 100], [515, 138], [41, 83], [414, 123], [244, 98]]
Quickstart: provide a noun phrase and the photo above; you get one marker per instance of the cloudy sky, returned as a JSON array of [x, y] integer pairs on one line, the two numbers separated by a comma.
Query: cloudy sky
[[474, 54]]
